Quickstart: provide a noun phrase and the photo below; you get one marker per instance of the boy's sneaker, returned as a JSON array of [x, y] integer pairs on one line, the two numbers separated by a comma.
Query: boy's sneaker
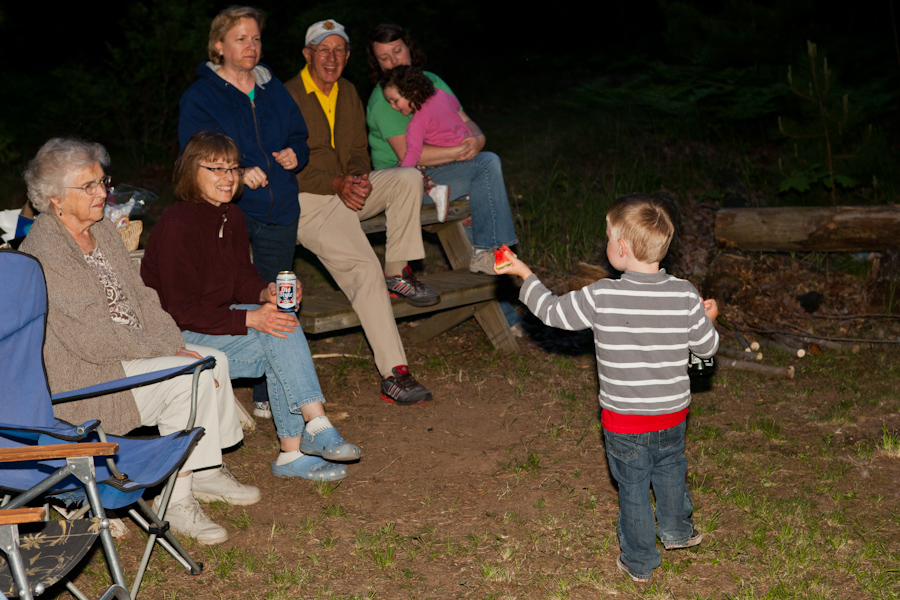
[[213, 485], [187, 518], [412, 290], [483, 262], [625, 570], [262, 410], [441, 196], [401, 388], [695, 540]]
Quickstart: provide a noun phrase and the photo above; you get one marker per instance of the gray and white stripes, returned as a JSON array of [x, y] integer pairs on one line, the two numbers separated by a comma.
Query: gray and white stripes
[[644, 325]]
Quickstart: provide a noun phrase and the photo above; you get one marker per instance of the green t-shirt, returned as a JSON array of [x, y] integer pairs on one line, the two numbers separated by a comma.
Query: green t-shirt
[[384, 122]]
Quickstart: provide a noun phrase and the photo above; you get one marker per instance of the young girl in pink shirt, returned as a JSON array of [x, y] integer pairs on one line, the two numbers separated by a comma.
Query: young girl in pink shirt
[[435, 119]]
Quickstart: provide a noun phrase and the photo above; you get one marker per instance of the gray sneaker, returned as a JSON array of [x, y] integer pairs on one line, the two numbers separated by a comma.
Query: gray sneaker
[[412, 290], [483, 262]]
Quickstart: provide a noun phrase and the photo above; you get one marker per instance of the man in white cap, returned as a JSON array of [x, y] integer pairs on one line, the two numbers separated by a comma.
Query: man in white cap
[[338, 189]]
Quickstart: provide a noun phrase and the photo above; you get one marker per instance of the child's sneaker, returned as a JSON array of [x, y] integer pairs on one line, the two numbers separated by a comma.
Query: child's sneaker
[[695, 540], [625, 570], [441, 196]]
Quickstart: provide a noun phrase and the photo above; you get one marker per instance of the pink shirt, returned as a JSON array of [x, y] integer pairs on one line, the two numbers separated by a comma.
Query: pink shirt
[[437, 123]]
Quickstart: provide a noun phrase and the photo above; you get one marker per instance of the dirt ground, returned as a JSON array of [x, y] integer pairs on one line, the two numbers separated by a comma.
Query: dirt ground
[[499, 487]]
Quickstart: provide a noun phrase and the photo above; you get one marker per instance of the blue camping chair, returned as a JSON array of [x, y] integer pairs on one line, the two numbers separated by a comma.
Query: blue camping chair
[[48, 550], [27, 419]]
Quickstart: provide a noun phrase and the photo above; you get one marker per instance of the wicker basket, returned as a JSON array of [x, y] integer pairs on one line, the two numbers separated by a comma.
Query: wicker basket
[[131, 234]]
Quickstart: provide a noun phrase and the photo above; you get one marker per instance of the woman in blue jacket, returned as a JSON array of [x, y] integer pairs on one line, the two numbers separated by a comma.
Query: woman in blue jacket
[[239, 97]]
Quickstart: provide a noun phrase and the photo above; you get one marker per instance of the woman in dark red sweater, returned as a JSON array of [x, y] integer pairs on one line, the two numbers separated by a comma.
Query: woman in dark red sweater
[[198, 260]]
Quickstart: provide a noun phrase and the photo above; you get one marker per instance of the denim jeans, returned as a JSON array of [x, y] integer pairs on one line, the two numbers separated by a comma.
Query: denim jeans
[[290, 375], [482, 180], [273, 251], [636, 462]]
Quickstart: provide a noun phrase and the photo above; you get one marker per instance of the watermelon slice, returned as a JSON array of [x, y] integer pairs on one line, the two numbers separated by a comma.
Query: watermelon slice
[[503, 257]]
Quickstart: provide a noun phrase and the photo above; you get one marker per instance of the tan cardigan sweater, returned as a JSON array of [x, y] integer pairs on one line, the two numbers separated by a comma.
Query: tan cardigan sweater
[[83, 346], [350, 154]]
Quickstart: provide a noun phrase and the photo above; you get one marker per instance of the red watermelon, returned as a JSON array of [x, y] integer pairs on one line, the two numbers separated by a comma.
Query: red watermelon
[[503, 257]]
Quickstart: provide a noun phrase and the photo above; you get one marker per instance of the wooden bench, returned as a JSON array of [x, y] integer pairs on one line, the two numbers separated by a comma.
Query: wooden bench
[[463, 294]]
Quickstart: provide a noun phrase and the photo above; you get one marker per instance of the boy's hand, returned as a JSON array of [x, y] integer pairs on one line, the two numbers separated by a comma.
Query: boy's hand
[[711, 309], [516, 267]]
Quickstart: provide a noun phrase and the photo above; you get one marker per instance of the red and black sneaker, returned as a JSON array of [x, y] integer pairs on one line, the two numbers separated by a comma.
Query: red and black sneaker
[[401, 388], [412, 290]]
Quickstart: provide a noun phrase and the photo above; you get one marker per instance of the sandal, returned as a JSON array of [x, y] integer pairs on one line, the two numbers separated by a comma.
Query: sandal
[[329, 444]]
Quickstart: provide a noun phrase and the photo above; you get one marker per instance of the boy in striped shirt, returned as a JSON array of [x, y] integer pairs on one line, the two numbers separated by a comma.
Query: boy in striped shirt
[[644, 325]]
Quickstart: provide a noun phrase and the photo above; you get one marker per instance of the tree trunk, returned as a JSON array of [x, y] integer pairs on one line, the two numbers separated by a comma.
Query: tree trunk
[[802, 229]]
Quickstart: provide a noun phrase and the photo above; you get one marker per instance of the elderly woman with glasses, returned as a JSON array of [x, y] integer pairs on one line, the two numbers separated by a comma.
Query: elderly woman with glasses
[[198, 260], [103, 323]]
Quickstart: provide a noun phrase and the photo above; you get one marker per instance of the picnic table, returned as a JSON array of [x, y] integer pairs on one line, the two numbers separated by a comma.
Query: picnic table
[[463, 294]]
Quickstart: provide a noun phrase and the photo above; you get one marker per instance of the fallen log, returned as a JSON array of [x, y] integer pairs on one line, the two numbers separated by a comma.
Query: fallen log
[[735, 354], [809, 229]]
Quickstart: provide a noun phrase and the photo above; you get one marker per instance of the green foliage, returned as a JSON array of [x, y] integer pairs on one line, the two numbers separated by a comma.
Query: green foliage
[[825, 129]]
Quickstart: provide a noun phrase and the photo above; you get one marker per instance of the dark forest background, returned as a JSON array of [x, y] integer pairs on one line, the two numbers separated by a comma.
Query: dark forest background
[[713, 71]]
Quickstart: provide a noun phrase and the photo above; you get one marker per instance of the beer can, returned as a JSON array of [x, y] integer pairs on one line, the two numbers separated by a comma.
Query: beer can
[[286, 285]]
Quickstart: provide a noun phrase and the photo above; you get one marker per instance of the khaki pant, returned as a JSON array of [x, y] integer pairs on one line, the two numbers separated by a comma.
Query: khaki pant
[[167, 404], [332, 232]]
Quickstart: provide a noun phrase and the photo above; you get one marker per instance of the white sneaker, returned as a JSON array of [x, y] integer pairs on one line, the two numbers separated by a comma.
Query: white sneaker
[[262, 410], [441, 196], [187, 518], [219, 484]]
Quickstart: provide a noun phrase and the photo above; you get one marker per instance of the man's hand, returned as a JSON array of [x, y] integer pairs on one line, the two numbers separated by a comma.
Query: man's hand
[[286, 158], [268, 319], [470, 147], [353, 190], [255, 177]]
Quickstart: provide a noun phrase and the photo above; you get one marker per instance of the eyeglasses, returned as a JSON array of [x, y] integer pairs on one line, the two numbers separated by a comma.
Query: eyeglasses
[[91, 188], [220, 171], [338, 52]]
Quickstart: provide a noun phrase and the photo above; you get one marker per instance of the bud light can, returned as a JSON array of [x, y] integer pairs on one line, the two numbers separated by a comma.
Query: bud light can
[[286, 284]]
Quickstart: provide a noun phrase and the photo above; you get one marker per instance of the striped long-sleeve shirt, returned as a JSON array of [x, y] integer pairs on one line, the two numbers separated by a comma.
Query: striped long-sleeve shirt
[[644, 325]]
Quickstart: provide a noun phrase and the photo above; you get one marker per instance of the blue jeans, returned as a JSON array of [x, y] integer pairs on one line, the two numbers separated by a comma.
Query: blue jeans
[[636, 462], [290, 375], [273, 251], [482, 180]]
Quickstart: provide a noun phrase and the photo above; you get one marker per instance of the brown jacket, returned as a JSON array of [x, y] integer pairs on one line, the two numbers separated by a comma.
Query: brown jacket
[[350, 154], [83, 346]]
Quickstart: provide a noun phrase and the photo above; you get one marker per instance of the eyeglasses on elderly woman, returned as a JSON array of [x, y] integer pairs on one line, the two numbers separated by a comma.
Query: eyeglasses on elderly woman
[[91, 188]]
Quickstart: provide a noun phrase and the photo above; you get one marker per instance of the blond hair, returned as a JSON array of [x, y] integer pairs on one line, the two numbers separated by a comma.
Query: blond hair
[[225, 21], [645, 223]]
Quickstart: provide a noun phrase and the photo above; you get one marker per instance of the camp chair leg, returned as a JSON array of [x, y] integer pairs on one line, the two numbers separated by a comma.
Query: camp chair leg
[[9, 543], [84, 471], [167, 541]]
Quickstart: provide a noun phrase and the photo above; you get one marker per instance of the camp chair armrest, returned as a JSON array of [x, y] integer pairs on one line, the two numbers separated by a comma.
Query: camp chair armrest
[[17, 516], [135, 381], [57, 451]]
